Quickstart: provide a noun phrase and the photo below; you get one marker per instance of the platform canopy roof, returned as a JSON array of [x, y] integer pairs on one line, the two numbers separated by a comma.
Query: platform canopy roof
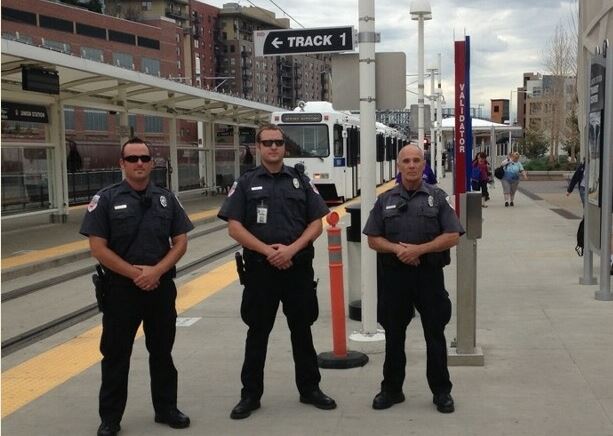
[[102, 86], [480, 125]]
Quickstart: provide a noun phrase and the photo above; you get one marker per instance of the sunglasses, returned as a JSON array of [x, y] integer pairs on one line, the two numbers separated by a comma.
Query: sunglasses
[[133, 158], [270, 142]]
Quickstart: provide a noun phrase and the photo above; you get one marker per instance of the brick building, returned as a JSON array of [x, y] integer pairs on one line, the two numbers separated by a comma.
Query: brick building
[[499, 110], [150, 48]]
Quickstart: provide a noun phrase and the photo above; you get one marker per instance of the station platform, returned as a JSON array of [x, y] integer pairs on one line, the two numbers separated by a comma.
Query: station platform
[[33, 242], [547, 344]]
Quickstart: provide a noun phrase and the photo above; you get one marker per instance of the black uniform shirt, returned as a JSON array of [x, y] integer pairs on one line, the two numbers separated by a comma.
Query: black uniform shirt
[[114, 214], [413, 218], [290, 202]]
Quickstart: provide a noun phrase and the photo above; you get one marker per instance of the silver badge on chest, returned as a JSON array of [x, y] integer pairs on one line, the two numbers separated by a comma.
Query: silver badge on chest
[[296, 183], [163, 201], [430, 201]]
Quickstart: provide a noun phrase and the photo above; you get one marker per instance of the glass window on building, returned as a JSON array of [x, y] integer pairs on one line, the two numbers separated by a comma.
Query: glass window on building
[[153, 124], [69, 121], [17, 36], [60, 46], [96, 120], [123, 60], [150, 66], [94, 54]]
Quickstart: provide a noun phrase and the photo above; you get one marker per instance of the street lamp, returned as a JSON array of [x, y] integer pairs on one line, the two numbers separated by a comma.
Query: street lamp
[[420, 11], [518, 91]]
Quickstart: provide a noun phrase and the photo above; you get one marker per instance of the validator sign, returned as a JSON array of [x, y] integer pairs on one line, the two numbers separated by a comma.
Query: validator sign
[[303, 41]]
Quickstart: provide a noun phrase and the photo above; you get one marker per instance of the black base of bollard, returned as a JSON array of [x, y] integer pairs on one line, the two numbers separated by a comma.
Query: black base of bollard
[[329, 360], [355, 310]]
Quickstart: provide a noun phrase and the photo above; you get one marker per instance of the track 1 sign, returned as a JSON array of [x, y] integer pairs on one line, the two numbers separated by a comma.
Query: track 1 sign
[[303, 41]]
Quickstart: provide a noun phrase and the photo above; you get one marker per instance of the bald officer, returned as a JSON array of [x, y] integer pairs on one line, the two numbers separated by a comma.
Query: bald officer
[[138, 232], [412, 227], [275, 213]]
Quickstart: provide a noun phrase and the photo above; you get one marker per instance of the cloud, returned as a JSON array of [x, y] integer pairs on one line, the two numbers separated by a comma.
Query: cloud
[[508, 37]]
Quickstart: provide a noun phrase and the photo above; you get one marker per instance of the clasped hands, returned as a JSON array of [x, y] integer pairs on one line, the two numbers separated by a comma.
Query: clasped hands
[[149, 277], [280, 256], [408, 253]]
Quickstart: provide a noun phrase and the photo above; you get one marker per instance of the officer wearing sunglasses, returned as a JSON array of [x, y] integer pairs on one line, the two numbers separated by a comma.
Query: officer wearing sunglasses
[[130, 226], [275, 213]]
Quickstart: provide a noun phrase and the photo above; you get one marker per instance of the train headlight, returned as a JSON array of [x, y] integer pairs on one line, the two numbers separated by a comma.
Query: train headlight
[[320, 176]]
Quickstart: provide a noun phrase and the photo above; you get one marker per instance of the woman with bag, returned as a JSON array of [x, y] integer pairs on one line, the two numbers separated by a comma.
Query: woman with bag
[[512, 170], [480, 176]]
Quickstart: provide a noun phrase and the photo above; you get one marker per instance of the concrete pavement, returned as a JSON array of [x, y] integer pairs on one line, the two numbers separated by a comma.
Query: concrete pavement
[[548, 347]]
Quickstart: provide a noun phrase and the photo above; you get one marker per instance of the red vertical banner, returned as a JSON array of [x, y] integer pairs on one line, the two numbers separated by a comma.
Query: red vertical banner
[[461, 118]]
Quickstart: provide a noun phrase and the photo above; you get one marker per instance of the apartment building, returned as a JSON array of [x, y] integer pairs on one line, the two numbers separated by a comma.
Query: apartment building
[[150, 48], [282, 80], [543, 97]]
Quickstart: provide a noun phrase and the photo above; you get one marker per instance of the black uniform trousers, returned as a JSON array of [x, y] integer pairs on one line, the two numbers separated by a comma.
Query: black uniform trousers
[[265, 287], [406, 288], [125, 306]]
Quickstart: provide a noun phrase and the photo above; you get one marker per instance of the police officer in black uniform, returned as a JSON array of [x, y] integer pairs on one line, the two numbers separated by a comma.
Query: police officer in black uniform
[[138, 232], [412, 228], [275, 213]]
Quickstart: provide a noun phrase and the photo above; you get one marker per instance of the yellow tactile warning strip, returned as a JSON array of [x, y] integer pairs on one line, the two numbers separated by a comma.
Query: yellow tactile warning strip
[[33, 378], [37, 376], [47, 253], [71, 247]]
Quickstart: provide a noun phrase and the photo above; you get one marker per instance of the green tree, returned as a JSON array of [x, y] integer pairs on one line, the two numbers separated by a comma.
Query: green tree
[[534, 144]]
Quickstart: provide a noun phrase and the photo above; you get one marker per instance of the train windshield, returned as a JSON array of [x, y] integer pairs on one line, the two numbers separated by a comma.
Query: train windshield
[[306, 140]]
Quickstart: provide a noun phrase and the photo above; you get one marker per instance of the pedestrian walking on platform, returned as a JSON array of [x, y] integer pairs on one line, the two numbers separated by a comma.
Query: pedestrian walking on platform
[[138, 232], [275, 213], [412, 227], [481, 175], [578, 180], [510, 181]]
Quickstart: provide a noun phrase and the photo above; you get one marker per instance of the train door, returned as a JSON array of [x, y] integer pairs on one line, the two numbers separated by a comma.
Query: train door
[[388, 158], [353, 158], [339, 160], [380, 154]]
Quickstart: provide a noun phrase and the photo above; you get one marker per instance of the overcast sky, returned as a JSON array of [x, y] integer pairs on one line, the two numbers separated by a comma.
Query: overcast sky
[[508, 37]]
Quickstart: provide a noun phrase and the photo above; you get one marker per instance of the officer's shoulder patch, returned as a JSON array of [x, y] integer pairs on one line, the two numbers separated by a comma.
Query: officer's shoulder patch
[[93, 204], [314, 187], [232, 188]]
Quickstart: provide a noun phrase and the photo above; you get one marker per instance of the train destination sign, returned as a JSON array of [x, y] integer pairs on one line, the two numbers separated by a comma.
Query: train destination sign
[[301, 117], [303, 41]]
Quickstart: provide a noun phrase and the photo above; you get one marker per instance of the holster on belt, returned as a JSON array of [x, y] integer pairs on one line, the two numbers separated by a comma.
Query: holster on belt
[[240, 267], [100, 280]]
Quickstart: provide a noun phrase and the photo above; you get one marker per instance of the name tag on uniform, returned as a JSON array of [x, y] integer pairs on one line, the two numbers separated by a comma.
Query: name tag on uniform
[[121, 206], [262, 215], [256, 188], [390, 206]]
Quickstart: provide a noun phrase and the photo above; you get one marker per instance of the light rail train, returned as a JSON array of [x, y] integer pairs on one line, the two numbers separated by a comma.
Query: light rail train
[[327, 143]]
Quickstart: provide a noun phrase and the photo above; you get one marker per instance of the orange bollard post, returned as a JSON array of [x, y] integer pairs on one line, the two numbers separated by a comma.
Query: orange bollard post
[[339, 358], [337, 292]]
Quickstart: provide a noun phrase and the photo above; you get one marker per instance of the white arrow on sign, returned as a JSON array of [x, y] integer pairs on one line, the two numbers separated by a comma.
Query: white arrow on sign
[[276, 43]]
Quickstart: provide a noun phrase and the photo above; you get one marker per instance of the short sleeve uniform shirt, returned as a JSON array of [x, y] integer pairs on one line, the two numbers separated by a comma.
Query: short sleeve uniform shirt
[[275, 208], [414, 218], [149, 219]]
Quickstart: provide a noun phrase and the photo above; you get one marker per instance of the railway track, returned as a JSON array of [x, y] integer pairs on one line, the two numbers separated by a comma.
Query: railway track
[[86, 270], [56, 325]]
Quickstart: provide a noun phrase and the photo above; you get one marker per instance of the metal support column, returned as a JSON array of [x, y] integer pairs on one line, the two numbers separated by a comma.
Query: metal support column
[[59, 193], [369, 336], [173, 156], [466, 351], [237, 151]]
